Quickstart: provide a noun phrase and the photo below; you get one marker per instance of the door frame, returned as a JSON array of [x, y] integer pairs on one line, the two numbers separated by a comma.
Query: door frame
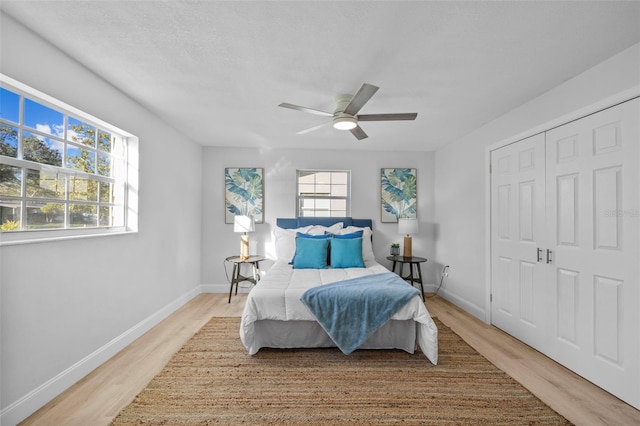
[[593, 108]]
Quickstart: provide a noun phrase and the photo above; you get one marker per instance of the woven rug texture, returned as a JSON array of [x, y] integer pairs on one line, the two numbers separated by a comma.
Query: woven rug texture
[[212, 380]]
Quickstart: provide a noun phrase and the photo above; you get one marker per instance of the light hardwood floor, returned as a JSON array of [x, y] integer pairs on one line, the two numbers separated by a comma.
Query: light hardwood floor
[[96, 399]]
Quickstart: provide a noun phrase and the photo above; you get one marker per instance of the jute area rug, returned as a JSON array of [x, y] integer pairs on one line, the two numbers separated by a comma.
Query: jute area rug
[[212, 380]]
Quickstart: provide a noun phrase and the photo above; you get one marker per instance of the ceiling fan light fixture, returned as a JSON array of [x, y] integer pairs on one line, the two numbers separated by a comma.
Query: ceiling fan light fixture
[[345, 123], [346, 114]]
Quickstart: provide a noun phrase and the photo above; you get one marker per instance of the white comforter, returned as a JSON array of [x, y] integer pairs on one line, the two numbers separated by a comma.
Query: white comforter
[[277, 297]]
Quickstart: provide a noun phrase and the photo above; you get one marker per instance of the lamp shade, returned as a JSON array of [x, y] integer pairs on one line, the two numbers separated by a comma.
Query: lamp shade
[[243, 224], [407, 226]]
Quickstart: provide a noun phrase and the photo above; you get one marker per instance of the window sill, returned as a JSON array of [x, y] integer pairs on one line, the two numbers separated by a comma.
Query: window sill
[[34, 237]]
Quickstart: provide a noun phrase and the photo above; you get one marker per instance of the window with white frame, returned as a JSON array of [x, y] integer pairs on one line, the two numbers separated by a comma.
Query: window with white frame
[[323, 193], [60, 169]]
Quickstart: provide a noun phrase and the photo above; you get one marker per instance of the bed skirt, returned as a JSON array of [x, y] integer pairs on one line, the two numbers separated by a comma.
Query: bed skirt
[[395, 334]]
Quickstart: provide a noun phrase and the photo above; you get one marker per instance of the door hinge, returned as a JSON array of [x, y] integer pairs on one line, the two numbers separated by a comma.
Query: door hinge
[[491, 297]]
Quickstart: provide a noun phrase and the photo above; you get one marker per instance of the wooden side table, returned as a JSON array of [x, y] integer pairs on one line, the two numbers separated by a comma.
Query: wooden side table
[[412, 261], [236, 278]]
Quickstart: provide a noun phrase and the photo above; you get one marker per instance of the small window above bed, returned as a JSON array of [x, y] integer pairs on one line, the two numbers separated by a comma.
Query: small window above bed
[[323, 193]]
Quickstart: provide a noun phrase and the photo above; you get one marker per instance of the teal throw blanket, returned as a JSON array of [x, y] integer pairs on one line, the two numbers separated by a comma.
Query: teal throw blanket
[[351, 311]]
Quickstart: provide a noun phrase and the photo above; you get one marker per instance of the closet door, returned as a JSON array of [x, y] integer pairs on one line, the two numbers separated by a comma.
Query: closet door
[[518, 287], [592, 222]]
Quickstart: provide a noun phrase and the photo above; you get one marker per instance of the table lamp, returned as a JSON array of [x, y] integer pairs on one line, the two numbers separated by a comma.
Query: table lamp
[[407, 226], [244, 224]]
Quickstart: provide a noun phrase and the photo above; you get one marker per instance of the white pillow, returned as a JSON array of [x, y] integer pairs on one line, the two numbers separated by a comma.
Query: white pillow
[[285, 244], [320, 229], [367, 247]]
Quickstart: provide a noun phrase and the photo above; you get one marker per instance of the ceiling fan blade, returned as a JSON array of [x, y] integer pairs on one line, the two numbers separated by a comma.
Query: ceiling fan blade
[[362, 97], [358, 133], [311, 129], [388, 117], [305, 109]]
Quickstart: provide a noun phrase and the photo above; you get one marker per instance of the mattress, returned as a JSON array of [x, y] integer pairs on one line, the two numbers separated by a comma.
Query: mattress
[[275, 317]]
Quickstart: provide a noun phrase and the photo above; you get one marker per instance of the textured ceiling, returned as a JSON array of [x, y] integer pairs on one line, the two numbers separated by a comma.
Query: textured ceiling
[[216, 70]]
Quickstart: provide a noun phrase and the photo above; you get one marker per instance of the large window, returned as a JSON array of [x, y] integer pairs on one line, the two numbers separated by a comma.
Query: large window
[[60, 169], [323, 193]]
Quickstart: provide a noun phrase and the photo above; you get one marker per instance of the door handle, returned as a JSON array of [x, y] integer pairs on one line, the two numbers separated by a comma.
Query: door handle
[[539, 255], [549, 260]]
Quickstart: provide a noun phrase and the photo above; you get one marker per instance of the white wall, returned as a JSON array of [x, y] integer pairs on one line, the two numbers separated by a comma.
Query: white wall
[[64, 303], [461, 171], [219, 241]]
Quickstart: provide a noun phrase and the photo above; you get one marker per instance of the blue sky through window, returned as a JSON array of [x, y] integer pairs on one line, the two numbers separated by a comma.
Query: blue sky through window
[[43, 119], [9, 105]]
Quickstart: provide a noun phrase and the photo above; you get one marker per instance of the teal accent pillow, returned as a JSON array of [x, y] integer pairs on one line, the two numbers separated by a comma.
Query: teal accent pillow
[[313, 237], [311, 253], [325, 236], [357, 234], [346, 253]]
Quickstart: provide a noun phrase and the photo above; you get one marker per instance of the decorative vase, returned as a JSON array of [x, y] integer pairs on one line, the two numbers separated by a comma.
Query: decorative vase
[[395, 251]]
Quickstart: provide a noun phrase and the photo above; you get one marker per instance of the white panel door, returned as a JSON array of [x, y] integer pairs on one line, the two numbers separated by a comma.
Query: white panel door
[[592, 228], [517, 227]]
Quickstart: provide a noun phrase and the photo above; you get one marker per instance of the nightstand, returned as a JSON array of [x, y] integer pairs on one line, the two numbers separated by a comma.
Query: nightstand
[[413, 262], [236, 278]]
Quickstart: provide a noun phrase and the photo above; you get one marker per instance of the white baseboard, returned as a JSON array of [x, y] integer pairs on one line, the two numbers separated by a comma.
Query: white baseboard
[[464, 304], [429, 288], [34, 400], [460, 302]]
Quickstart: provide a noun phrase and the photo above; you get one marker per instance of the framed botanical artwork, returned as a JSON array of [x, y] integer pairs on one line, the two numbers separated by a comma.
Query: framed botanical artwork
[[243, 193], [398, 194]]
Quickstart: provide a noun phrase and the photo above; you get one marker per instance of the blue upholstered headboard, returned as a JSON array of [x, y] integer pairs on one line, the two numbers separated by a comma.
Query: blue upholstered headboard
[[297, 222]]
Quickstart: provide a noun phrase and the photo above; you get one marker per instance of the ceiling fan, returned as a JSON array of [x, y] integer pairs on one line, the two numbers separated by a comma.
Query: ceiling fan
[[345, 115]]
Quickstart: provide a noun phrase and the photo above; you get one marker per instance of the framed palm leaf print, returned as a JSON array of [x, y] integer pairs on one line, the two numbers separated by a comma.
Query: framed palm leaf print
[[243, 193], [398, 194]]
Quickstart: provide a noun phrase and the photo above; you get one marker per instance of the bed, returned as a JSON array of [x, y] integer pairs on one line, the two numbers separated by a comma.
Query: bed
[[277, 313]]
